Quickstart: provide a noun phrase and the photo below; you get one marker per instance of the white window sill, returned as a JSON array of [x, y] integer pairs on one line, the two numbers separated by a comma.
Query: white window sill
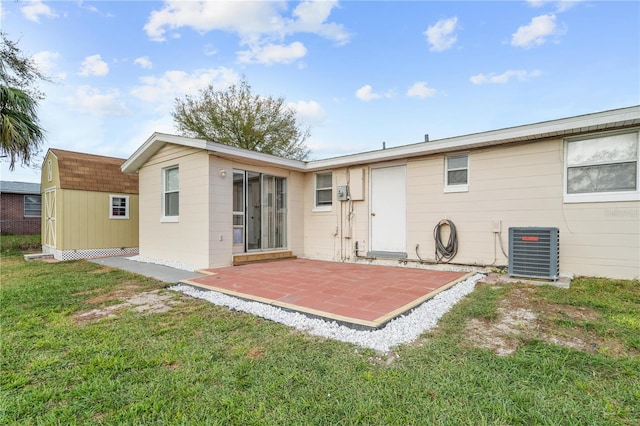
[[119, 217], [169, 219], [456, 188], [603, 197], [322, 209]]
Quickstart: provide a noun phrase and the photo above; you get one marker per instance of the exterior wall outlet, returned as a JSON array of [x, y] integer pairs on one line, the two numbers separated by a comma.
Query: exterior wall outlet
[[496, 226]]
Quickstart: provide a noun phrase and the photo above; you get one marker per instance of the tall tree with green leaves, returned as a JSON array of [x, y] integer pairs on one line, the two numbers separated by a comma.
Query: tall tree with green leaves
[[238, 118], [20, 131]]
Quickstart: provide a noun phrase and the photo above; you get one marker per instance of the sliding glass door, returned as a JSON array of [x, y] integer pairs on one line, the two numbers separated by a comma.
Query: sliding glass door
[[259, 211]]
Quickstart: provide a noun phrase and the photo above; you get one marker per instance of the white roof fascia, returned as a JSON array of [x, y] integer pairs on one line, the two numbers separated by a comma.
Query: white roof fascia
[[152, 145], [157, 140], [579, 124], [605, 120], [254, 157]]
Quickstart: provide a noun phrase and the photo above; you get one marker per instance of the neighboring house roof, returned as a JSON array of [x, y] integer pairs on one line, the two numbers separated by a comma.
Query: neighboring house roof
[[9, 187], [89, 172], [572, 126]]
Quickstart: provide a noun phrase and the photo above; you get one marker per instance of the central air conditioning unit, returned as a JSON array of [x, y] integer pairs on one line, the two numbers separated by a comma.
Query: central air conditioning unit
[[534, 252]]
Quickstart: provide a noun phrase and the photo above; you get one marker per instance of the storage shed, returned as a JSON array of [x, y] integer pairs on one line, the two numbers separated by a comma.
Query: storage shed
[[89, 206]]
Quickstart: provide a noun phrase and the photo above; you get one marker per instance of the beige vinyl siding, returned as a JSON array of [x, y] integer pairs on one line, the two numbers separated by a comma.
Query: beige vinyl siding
[[83, 221], [222, 208], [320, 227], [202, 236], [184, 241], [516, 184], [331, 235]]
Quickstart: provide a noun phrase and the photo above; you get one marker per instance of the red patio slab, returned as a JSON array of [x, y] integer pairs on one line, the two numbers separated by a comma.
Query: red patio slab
[[358, 294]]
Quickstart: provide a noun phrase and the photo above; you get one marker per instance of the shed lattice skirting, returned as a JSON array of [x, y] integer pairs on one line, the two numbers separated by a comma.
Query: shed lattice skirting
[[89, 253]]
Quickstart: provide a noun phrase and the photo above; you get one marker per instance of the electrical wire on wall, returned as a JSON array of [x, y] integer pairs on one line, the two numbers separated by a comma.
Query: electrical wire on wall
[[445, 253]]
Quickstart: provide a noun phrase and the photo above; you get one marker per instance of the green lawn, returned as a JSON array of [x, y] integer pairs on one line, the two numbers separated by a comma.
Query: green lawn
[[64, 362]]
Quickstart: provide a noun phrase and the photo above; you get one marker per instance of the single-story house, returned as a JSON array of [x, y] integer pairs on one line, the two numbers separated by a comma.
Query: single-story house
[[206, 204], [90, 207], [20, 206]]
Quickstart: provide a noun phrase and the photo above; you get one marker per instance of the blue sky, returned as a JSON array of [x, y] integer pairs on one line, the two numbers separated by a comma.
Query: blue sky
[[359, 73]]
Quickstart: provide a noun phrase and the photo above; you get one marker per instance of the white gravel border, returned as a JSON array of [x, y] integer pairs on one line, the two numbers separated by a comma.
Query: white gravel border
[[402, 330]]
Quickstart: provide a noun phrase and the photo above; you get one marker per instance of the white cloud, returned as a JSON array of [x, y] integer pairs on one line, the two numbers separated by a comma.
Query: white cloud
[[46, 62], [441, 35], [560, 6], [172, 84], [271, 53], [203, 16], [536, 32], [311, 112], [90, 100], [94, 65], [311, 16], [493, 78], [250, 23], [210, 50], [34, 9], [421, 90], [365, 93], [144, 62]]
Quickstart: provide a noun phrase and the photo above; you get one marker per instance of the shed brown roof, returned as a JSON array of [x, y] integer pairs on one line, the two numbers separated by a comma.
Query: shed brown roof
[[89, 172]]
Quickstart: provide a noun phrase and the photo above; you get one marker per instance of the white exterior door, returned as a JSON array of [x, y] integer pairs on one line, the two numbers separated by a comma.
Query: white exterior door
[[389, 211], [49, 231]]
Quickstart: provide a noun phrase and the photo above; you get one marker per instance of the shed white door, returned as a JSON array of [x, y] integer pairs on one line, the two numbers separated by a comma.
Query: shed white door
[[49, 231], [389, 211]]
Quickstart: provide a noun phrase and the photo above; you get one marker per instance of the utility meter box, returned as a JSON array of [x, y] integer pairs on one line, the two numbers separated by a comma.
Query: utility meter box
[[342, 193]]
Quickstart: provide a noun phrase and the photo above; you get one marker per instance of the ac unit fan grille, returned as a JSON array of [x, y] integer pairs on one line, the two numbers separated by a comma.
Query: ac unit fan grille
[[534, 252]]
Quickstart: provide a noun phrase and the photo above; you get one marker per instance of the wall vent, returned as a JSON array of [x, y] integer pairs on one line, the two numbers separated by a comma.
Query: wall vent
[[534, 252]]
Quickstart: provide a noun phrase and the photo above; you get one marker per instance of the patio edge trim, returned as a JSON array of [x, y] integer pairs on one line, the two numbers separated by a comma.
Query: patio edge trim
[[377, 323], [292, 307], [417, 302]]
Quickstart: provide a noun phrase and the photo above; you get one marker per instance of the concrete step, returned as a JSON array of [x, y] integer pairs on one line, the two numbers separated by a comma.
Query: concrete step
[[38, 256]]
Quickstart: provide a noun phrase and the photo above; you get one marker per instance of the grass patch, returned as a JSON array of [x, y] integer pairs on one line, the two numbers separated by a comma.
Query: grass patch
[[16, 244], [198, 363]]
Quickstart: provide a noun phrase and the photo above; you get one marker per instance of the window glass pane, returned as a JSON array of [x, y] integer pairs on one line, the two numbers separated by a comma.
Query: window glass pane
[[457, 177], [237, 236], [604, 178], [323, 197], [119, 206], [32, 205], [323, 180], [606, 149], [238, 192], [171, 201], [458, 162], [171, 182]]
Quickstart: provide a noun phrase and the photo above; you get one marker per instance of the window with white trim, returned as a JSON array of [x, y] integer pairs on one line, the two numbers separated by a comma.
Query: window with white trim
[[118, 206], [32, 205], [170, 193], [602, 168], [456, 173], [323, 191]]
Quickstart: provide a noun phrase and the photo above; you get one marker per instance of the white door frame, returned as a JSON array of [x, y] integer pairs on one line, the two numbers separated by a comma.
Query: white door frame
[[49, 232], [388, 211]]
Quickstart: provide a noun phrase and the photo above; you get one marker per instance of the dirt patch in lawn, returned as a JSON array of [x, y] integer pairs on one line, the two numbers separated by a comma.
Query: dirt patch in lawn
[[130, 298], [522, 317], [124, 291]]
